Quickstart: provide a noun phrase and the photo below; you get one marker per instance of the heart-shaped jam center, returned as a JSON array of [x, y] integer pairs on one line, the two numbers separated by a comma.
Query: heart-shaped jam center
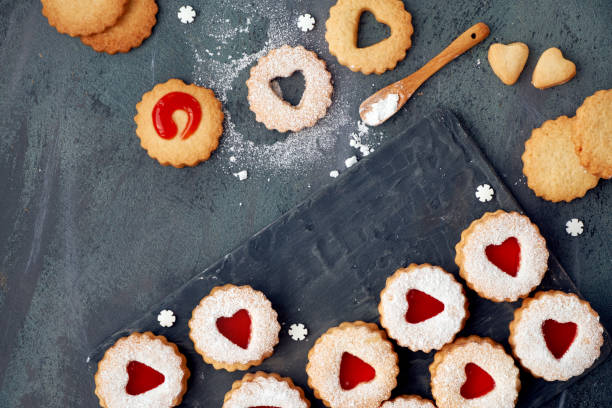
[[421, 306], [477, 383], [142, 378], [354, 371], [236, 328], [506, 256], [167, 105], [559, 336]]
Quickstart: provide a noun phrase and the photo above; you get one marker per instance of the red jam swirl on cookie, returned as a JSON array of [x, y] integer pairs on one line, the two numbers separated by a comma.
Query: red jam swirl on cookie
[[167, 105]]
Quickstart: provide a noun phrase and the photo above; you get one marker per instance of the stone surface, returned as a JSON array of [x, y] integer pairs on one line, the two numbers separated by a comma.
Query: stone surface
[[93, 232]]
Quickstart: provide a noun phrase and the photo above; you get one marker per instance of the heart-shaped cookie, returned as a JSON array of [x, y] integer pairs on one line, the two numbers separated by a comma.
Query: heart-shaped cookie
[[508, 61], [552, 69]]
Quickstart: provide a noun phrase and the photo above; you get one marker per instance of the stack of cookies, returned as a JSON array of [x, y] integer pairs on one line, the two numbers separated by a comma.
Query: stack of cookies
[[109, 26], [566, 157]]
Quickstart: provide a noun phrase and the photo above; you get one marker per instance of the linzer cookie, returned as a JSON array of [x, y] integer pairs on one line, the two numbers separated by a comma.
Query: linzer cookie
[[408, 401], [502, 256], [343, 27], [556, 335], [265, 390], [129, 31], [234, 327], [352, 365], [83, 17], [474, 372], [276, 113], [422, 307], [179, 124], [141, 370], [592, 134], [551, 165]]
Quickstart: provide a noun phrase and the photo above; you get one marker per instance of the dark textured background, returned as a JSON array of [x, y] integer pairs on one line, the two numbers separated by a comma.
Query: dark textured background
[[93, 232]]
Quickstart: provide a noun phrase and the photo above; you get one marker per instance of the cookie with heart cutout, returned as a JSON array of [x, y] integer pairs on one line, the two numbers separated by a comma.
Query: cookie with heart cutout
[[552, 69], [408, 401], [352, 365], [474, 372], [422, 307], [234, 327], [141, 370], [502, 256], [508, 61], [556, 335], [592, 135], [265, 390]]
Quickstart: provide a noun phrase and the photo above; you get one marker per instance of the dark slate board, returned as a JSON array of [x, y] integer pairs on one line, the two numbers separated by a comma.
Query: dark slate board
[[326, 261]]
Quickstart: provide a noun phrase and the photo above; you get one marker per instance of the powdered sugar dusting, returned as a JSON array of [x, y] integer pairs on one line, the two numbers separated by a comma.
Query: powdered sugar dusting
[[450, 375], [530, 345], [265, 391], [112, 376], [225, 303], [487, 278], [363, 342], [408, 401], [432, 333]]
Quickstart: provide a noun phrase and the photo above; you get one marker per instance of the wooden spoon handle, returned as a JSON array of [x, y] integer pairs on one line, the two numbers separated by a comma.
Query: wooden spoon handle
[[471, 37]]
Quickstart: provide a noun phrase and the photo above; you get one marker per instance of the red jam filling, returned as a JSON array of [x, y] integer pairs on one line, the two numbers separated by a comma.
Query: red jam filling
[[354, 371], [559, 336], [421, 306], [237, 328], [167, 105], [478, 382], [142, 378], [506, 256]]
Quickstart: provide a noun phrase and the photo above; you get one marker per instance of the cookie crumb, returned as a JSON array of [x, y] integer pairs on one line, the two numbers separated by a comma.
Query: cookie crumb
[[574, 227], [242, 175], [484, 193], [350, 161], [186, 14], [166, 318], [306, 22], [298, 332], [232, 159], [334, 173]]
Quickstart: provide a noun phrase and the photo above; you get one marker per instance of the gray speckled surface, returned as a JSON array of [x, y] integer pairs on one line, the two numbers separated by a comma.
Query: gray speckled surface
[[93, 232]]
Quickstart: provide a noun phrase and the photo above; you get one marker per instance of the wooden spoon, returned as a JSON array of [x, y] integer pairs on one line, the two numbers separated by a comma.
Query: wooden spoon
[[383, 104]]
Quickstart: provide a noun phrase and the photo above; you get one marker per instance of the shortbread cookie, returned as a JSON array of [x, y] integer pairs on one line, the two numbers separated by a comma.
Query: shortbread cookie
[[265, 390], [179, 124], [82, 17], [508, 61], [422, 307], [234, 327], [352, 365], [408, 401], [556, 335], [592, 134], [343, 27], [474, 372], [141, 370], [502, 256], [130, 30], [276, 113], [552, 69], [550, 163]]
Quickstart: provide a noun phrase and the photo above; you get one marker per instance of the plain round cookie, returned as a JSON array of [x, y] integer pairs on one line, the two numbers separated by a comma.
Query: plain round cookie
[[343, 28], [276, 113], [529, 343], [408, 401], [130, 30], [82, 17], [592, 134], [550, 163], [178, 151], [265, 390]]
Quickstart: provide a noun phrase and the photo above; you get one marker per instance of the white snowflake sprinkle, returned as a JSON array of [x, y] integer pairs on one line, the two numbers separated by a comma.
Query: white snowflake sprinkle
[[574, 227], [298, 332], [306, 22], [350, 161], [232, 159], [241, 175], [484, 193], [166, 318], [334, 173], [186, 14]]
